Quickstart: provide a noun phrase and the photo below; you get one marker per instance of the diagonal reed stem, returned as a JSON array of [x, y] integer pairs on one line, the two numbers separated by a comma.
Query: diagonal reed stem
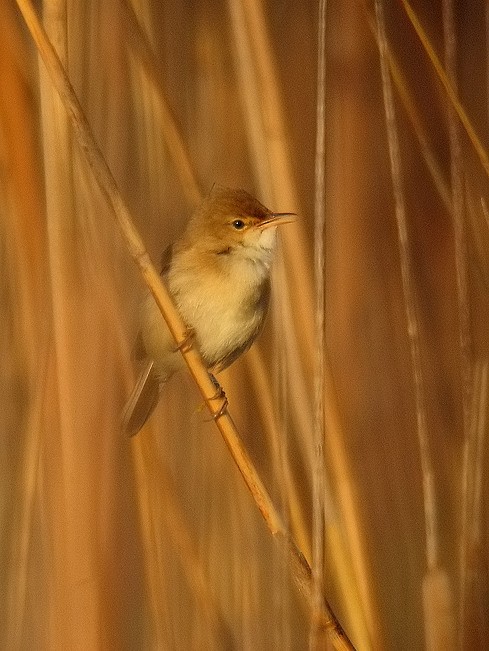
[[409, 295], [413, 115], [300, 569], [448, 86]]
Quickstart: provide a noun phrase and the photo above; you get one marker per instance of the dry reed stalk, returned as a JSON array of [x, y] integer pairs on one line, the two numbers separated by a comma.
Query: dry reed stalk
[[484, 159], [480, 445], [349, 563], [24, 231], [103, 176], [266, 131], [17, 587], [352, 553], [450, 91], [471, 540], [486, 15], [319, 432], [409, 292], [462, 289], [412, 113], [268, 144], [275, 440], [153, 562], [71, 553], [140, 48], [436, 587], [478, 218], [158, 495], [458, 211], [485, 211], [282, 474], [438, 611], [480, 242], [298, 395], [265, 128]]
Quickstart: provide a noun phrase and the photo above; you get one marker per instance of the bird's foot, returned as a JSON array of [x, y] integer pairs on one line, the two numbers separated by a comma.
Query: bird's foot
[[186, 342], [218, 394]]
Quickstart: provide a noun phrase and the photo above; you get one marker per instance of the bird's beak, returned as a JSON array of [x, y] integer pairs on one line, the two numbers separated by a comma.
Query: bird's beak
[[277, 218]]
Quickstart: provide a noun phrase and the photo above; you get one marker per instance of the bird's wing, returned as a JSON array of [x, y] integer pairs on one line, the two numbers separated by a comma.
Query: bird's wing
[[142, 401], [144, 396]]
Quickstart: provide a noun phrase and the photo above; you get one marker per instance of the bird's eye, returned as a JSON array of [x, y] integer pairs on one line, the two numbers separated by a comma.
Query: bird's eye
[[238, 224]]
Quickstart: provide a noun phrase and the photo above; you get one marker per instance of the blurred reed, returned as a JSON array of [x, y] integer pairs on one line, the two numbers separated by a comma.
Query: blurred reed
[[154, 543], [433, 622]]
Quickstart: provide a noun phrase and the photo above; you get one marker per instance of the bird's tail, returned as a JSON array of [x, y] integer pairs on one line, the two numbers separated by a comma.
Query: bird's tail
[[141, 402]]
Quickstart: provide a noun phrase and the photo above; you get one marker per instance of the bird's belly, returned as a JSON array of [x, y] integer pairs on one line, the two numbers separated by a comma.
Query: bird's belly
[[224, 327], [226, 314]]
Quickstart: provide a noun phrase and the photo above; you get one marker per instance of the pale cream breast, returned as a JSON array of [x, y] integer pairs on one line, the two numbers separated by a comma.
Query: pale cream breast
[[224, 307]]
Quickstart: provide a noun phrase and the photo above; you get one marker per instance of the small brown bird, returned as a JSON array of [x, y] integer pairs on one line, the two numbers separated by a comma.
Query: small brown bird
[[218, 274]]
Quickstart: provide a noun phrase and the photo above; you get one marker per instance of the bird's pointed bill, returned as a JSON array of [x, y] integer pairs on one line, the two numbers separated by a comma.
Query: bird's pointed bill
[[277, 218]]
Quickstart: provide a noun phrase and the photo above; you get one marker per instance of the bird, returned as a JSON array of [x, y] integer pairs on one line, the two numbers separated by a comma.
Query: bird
[[218, 274]]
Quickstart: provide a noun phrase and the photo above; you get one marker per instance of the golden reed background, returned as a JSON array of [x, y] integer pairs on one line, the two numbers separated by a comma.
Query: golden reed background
[[154, 542]]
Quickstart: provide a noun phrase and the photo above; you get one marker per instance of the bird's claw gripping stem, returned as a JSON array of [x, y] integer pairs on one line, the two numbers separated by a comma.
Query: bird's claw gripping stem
[[186, 343], [218, 394]]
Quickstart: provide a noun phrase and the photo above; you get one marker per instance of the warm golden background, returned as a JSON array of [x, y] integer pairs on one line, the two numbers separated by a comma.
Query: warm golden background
[[155, 543]]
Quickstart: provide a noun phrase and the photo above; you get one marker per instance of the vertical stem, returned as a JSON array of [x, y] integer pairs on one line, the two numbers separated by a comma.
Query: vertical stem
[[462, 295], [318, 468], [68, 527], [146, 64], [409, 296]]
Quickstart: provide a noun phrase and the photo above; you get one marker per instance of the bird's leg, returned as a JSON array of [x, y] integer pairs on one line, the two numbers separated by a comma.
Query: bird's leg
[[219, 394], [185, 345], [186, 342]]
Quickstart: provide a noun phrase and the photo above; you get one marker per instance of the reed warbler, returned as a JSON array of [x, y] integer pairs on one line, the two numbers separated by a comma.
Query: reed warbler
[[218, 274]]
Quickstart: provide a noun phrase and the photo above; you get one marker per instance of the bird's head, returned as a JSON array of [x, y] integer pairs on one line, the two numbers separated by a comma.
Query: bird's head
[[234, 222]]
